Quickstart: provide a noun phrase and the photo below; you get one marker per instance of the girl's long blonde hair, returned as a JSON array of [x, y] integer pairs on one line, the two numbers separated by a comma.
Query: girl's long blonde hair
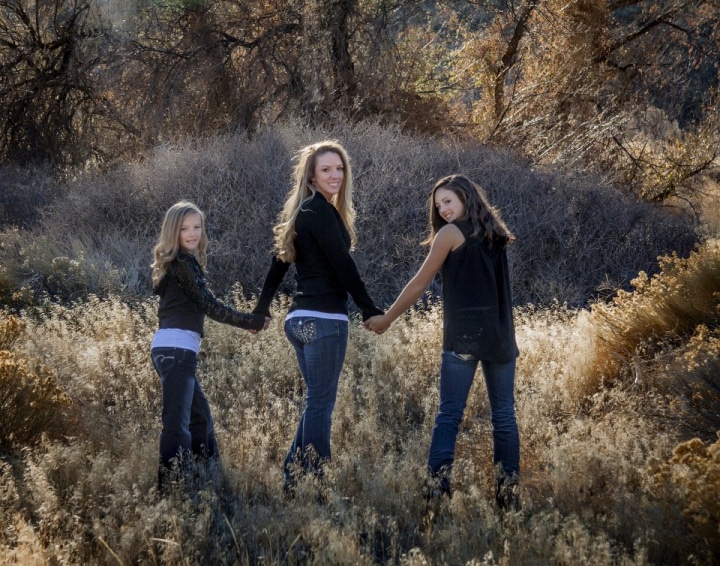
[[485, 219], [305, 162], [168, 245]]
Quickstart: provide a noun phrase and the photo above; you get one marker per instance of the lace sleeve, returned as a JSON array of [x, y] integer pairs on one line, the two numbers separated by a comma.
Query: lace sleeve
[[191, 279]]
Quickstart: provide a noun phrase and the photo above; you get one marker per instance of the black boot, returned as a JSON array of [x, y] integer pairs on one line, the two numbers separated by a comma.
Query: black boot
[[437, 484], [507, 492]]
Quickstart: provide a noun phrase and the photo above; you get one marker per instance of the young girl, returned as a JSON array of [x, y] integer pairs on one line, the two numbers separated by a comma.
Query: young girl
[[468, 241], [316, 232], [178, 275]]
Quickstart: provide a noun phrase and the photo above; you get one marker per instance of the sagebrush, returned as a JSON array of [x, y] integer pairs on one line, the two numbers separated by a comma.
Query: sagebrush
[[577, 238]]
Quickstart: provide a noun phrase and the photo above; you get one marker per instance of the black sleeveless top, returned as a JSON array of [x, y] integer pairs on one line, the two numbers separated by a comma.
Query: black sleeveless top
[[477, 303]]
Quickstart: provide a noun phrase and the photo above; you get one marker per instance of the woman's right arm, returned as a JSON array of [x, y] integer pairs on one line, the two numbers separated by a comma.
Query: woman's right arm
[[274, 277]]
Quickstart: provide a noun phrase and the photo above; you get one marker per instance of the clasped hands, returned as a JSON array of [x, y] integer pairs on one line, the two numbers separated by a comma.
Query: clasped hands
[[377, 324], [268, 320]]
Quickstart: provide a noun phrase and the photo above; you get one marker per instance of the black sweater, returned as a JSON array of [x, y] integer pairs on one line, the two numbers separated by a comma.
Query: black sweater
[[185, 299], [326, 272]]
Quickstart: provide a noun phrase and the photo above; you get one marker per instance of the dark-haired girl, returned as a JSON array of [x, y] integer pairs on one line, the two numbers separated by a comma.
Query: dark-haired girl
[[468, 240]]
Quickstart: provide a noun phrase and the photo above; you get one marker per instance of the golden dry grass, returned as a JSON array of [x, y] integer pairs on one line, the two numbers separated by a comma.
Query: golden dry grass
[[604, 481]]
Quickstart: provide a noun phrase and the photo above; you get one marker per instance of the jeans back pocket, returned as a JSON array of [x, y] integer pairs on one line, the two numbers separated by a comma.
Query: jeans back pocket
[[464, 357], [304, 329], [163, 359]]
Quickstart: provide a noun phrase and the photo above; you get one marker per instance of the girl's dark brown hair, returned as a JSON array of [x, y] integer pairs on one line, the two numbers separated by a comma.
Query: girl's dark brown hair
[[485, 219]]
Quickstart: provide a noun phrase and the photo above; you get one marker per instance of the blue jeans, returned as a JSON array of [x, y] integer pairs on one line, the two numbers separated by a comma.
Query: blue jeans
[[187, 425], [456, 378], [320, 345]]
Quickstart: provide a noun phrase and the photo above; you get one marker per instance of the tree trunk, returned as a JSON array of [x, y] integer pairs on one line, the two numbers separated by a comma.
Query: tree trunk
[[508, 58]]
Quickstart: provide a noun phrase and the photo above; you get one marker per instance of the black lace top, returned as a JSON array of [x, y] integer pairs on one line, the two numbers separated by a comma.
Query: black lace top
[[185, 299]]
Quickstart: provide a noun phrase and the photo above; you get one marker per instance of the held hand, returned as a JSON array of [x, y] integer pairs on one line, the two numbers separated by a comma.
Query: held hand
[[266, 325], [377, 324]]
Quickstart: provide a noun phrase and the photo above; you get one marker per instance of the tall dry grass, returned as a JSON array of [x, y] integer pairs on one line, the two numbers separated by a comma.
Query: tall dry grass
[[32, 403], [604, 481]]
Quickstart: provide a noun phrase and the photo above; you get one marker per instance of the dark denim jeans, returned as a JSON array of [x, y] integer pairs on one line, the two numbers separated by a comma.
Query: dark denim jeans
[[187, 425], [320, 345], [456, 378]]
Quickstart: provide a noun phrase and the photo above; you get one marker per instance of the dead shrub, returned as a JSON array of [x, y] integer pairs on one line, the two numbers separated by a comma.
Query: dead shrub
[[24, 192], [32, 403], [691, 480], [644, 327], [574, 234]]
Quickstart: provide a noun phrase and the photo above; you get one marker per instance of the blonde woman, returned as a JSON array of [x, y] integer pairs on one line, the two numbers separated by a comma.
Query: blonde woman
[[178, 276], [316, 232]]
